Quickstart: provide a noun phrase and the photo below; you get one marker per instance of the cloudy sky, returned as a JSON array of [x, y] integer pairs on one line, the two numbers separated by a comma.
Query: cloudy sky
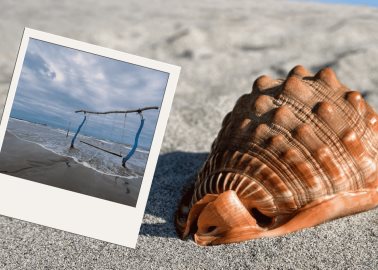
[[56, 80]]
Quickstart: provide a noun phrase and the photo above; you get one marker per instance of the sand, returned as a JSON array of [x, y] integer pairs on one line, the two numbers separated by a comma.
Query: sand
[[32, 162], [222, 47]]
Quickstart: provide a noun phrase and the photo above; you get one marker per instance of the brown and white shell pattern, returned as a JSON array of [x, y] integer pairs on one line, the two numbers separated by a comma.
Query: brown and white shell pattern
[[291, 148]]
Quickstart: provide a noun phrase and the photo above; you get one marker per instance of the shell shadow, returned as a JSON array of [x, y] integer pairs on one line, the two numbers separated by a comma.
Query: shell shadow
[[174, 171]]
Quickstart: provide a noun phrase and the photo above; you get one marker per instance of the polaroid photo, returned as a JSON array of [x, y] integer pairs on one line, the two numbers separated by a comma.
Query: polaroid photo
[[80, 136]]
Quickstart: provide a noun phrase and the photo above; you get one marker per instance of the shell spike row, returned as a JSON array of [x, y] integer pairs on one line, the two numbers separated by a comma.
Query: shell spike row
[[355, 98], [297, 89], [299, 71], [264, 83], [328, 76]]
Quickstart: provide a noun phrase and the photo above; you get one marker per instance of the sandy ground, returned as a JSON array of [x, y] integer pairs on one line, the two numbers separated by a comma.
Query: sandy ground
[[222, 47], [32, 162]]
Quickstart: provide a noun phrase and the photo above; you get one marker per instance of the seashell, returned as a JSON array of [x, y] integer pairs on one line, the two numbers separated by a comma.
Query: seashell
[[292, 154]]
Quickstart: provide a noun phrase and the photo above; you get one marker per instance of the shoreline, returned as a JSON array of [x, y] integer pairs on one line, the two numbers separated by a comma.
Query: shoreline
[[33, 162], [129, 146]]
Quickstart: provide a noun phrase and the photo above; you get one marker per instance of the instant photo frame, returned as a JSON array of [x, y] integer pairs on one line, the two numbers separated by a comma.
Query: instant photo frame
[[73, 211]]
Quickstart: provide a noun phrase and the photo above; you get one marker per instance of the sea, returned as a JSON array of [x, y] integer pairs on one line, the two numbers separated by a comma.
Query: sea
[[58, 141]]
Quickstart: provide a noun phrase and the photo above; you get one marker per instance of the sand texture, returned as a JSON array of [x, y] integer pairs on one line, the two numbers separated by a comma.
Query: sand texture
[[222, 46]]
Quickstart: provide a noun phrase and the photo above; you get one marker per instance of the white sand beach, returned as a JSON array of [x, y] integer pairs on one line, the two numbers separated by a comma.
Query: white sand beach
[[222, 47]]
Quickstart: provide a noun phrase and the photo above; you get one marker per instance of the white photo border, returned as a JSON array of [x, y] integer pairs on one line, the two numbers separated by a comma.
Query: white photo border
[[71, 211]]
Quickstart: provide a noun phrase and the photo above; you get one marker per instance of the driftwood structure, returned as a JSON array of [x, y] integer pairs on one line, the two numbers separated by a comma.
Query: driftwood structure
[[132, 150]]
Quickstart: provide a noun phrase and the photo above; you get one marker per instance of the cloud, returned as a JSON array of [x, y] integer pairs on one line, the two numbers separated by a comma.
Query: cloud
[[36, 64], [56, 80]]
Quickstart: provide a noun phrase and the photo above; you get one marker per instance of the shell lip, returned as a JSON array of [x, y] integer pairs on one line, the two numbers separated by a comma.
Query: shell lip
[[219, 218], [231, 235]]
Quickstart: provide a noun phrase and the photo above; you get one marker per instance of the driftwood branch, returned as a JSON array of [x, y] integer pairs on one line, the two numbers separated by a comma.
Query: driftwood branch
[[128, 111]]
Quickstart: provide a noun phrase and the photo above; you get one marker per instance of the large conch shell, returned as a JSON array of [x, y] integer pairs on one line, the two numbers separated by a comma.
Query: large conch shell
[[292, 154]]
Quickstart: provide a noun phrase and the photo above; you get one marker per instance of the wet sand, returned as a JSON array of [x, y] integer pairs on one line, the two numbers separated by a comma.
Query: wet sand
[[32, 162]]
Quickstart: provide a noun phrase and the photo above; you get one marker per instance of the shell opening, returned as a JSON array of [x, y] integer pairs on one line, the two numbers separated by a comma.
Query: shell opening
[[262, 220], [211, 228]]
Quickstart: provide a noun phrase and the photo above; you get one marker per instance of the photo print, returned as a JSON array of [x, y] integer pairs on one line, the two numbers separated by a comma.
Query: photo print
[[83, 119]]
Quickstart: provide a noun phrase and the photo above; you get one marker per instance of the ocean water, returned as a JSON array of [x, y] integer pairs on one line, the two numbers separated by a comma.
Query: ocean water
[[57, 141]]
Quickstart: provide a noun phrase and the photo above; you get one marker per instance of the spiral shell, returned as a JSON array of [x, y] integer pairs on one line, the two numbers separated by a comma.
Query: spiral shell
[[292, 154]]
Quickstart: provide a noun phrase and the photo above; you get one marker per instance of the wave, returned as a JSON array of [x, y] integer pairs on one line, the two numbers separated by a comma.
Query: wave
[[56, 141]]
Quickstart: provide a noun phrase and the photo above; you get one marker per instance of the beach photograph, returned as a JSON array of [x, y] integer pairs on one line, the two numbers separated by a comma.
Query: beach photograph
[[82, 122]]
